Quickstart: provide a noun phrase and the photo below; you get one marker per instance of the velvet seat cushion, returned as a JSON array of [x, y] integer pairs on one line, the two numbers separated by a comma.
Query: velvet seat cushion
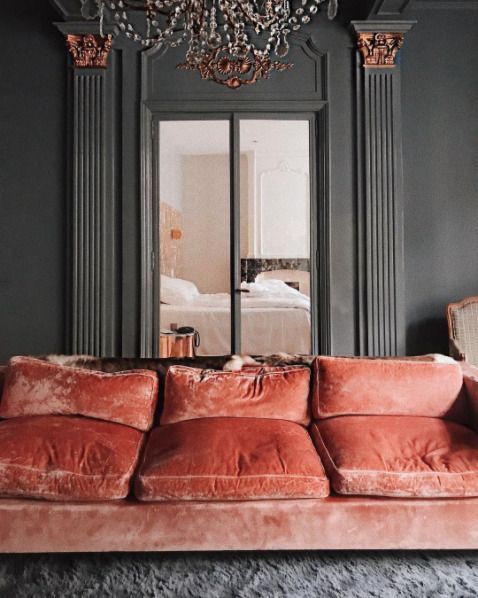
[[272, 392], [67, 458], [36, 387], [230, 459], [398, 456]]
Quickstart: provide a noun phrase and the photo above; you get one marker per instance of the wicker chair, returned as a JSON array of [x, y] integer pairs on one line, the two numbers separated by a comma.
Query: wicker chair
[[463, 329]]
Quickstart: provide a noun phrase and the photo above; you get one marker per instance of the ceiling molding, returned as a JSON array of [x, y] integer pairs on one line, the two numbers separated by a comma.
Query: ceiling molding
[[445, 4], [68, 9], [391, 8], [83, 28], [374, 26]]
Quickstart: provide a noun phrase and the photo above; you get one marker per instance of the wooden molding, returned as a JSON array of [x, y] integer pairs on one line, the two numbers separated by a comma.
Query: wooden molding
[[219, 66], [379, 49], [452, 307], [90, 50], [380, 196]]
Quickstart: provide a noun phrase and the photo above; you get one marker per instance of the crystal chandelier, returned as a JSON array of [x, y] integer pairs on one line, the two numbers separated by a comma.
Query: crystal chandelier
[[229, 41]]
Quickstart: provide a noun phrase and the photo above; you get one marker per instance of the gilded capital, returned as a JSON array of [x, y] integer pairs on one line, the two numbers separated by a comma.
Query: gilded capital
[[379, 49], [89, 50]]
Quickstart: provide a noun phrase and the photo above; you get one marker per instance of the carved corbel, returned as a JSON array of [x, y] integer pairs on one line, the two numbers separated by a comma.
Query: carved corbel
[[379, 49], [89, 50]]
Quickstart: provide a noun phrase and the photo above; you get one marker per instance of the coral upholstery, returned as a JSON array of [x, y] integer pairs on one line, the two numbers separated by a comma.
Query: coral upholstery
[[347, 386], [230, 459], [470, 378], [249, 483], [398, 456], [394, 428], [277, 393], [67, 458], [35, 387], [2, 377], [333, 523]]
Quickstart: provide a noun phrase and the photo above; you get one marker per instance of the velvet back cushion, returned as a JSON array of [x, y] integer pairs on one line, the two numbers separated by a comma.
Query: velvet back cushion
[[347, 386], [274, 393], [36, 387]]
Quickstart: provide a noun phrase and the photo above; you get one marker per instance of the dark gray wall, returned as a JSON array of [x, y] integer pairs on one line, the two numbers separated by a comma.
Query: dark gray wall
[[440, 89], [440, 137], [32, 181]]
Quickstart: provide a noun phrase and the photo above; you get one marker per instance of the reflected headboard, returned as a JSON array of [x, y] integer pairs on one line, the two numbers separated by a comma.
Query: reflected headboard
[[251, 267]]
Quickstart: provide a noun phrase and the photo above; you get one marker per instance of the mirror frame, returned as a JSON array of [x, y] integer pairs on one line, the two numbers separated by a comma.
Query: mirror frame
[[316, 113]]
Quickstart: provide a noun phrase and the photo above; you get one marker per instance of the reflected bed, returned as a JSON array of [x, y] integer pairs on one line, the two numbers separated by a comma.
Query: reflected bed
[[285, 329], [274, 317]]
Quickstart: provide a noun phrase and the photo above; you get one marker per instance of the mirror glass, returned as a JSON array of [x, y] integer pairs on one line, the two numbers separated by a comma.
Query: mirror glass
[[275, 236], [195, 242], [194, 191]]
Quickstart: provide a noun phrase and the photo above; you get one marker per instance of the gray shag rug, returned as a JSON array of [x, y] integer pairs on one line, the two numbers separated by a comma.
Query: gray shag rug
[[241, 575]]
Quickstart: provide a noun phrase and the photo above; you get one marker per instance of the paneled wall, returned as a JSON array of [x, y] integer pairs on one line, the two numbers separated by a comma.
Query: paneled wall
[[33, 204], [440, 137], [439, 99]]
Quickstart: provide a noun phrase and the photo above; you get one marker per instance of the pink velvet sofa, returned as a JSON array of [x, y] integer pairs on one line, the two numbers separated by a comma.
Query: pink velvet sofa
[[342, 453]]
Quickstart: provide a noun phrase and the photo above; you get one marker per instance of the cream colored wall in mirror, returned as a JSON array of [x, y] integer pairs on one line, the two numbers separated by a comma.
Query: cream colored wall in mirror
[[205, 217]]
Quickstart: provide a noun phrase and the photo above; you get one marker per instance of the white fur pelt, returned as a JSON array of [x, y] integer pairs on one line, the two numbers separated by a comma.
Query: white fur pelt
[[71, 360], [237, 362]]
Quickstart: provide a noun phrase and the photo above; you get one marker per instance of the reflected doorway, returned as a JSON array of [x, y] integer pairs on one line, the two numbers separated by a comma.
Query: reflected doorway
[[236, 240]]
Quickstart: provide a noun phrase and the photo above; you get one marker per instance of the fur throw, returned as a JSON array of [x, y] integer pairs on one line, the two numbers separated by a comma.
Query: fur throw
[[231, 363]]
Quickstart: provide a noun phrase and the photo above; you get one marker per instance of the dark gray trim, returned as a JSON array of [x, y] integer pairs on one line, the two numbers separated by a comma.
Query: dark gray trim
[[235, 232], [377, 26], [93, 237], [155, 257], [362, 323], [147, 213], [93, 221], [259, 105], [68, 9], [129, 126], [320, 219], [321, 240], [83, 27], [450, 5], [390, 7], [380, 201], [315, 226]]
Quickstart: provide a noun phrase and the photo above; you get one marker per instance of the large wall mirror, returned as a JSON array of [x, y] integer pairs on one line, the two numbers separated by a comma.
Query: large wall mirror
[[236, 205]]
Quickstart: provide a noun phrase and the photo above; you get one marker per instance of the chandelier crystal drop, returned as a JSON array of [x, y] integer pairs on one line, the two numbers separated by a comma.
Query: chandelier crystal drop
[[241, 35]]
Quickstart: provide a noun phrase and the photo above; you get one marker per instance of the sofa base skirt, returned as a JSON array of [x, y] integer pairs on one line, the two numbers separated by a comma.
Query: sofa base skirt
[[28, 526]]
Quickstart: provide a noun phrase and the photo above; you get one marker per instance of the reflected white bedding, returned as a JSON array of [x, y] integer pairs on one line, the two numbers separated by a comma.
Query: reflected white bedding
[[274, 317], [263, 330]]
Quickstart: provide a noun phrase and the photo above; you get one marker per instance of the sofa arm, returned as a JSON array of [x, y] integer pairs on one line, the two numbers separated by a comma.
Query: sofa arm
[[456, 351], [470, 379], [2, 378]]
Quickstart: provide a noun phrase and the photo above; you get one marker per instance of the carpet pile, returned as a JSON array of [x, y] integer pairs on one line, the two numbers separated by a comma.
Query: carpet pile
[[241, 575]]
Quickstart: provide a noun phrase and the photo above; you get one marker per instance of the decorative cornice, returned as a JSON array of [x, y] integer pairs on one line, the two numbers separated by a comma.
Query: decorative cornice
[[379, 50], [90, 50], [220, 67]]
